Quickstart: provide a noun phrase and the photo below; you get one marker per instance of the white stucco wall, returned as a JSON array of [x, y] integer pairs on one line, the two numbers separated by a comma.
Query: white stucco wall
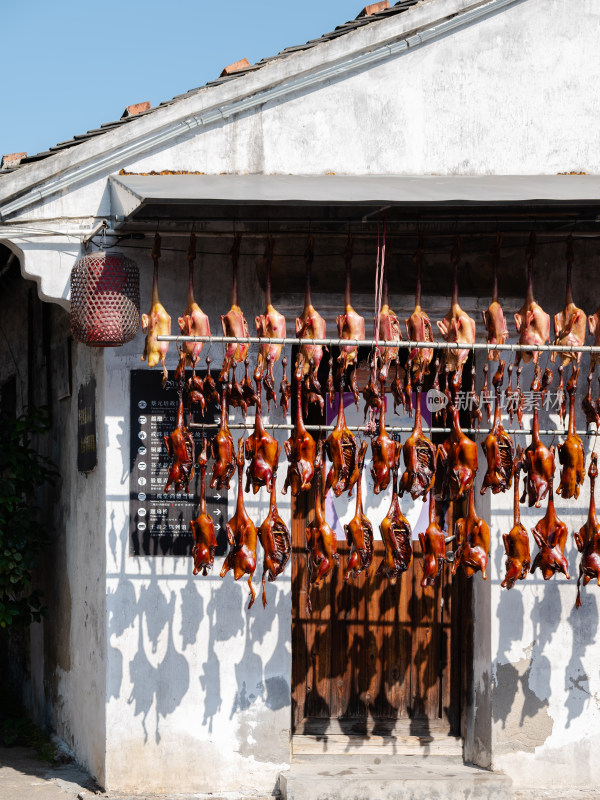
[[501, 97], [197, 685], [535, 675], [194, 683], [76, 681], [545, 681], [534, 712]]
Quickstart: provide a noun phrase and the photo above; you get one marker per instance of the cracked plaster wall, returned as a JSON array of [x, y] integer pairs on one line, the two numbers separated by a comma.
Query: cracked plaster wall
[[198, 686], [536, 712]]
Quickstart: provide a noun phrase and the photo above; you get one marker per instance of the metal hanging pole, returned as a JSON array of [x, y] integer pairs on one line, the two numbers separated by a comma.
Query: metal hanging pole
[[389, 428], [544, 348]]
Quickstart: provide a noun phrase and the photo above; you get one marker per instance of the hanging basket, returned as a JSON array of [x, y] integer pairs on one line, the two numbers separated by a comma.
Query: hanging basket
[[105, 299]]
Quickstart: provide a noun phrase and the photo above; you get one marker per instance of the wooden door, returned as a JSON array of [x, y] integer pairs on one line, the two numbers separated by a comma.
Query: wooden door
[[375, 659]]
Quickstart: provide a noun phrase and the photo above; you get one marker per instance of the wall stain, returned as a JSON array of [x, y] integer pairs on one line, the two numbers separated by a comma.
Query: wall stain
[[525, 719], [581, 684]]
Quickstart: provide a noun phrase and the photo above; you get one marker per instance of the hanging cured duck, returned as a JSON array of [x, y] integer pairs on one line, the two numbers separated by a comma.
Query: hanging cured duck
[[311, 324], [594, 328], [571, 453], [484, 394], [157, 322], [180, 445], [538, 460], [209, 387], [385, 452], [570, 323], [588, 538], [388, 329], [342, 451], [433, 545], [285, 390], [550, 535], [516, 542], [203, 527], [498, 447], [419, 328], [270, 325], [532, 322], [262, 450], [195, 389], [457, 326], [193, 321], [275, 540], [311, 389], [359, 531], [419, 459], [396, 534], [241, 535], [493, 317], [321, 542], [300, 449], [350, 325], [456, 461], [235, 394], [234, 322], [223, 450], [250, 398], [372, 395], [589, 405], [473, 537]]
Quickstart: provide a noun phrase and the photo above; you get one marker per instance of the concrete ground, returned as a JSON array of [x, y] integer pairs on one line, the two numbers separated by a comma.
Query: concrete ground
[[24, 777]]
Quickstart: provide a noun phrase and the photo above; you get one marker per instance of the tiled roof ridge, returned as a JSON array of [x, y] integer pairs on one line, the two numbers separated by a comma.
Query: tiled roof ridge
[[368, 15]]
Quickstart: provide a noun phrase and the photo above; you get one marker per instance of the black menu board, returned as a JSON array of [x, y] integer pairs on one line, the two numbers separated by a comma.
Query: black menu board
[[159, 520]]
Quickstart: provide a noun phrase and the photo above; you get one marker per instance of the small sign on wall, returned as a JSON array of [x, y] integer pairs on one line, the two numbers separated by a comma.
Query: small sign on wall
[[87, 457], [159, 520]]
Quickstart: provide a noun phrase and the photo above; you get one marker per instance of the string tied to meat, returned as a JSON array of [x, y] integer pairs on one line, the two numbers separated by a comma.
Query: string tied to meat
[[379, 275]]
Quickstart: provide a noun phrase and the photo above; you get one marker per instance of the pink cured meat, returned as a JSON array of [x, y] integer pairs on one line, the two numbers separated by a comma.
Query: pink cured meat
[[310, 325], [193, 321]]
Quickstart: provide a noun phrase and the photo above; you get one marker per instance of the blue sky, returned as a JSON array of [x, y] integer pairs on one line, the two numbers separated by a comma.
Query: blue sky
[[69, 66]]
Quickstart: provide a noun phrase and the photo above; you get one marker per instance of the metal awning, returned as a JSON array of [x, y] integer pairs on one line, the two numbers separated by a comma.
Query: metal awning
[[130, 193]]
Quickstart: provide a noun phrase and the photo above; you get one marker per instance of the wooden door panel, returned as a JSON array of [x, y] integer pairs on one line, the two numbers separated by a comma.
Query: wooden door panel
[[374, 658]]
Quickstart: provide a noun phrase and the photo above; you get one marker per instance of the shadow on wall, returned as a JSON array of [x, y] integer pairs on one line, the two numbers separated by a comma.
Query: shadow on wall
[[167, 613], [584, 626], [523, 688]]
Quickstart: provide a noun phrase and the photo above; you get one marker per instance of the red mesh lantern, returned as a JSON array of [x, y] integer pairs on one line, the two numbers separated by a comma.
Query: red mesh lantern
[[105, 299]]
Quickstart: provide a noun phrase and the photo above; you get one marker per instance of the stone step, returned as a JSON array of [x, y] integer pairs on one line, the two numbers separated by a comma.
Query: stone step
[[332, 744], [407, 778]]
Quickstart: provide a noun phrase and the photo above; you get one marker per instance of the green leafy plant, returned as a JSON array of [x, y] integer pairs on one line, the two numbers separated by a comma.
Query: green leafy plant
[[23, 535]]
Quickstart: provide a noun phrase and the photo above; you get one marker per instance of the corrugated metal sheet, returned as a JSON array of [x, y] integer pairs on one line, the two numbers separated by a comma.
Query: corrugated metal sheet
[[131, 192]]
